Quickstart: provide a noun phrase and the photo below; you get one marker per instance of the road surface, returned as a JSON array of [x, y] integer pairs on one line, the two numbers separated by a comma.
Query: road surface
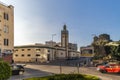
[[36, 70]]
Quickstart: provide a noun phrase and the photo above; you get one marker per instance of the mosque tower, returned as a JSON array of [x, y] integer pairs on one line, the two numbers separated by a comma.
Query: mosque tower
[[65, 39]]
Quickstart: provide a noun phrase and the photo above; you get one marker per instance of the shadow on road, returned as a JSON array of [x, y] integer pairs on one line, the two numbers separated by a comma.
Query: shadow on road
[[30, 73]]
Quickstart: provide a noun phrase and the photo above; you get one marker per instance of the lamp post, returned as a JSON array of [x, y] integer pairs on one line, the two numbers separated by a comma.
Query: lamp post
[[52, 45]]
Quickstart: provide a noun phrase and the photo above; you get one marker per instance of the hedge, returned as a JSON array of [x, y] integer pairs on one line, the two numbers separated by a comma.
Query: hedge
[[5, 70], [66, 77]]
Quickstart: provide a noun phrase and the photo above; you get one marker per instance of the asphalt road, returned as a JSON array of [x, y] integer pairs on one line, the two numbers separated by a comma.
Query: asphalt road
[[67, 69], [35, 70], [30, 73]]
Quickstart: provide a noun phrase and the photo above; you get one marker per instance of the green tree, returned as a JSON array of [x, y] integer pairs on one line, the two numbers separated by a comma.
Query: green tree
[[115, 52], [5, 70], [1, 59], [99, 45], [113, 49]]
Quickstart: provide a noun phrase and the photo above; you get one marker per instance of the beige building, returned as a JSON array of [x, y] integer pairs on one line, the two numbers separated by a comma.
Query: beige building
[[87, 51], [48, 51], [6, 29], [40, 53]]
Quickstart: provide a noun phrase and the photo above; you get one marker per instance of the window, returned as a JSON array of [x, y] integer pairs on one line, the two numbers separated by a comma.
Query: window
[[22, 55], [16, 55], [16, 50], [61, 53], [6, 29], [6, 42], [37, 50], [48, 50], [28, 49], [28, 55], [0, 24], [37, 54], [22, 49], [6, 16], [87, 51]]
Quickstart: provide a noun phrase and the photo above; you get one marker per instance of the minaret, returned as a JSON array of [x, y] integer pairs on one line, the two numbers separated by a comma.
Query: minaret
[[65, 39]]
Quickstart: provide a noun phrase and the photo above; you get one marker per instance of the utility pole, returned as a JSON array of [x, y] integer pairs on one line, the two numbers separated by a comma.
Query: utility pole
[[78, 67], [60, 67], [52, 46]]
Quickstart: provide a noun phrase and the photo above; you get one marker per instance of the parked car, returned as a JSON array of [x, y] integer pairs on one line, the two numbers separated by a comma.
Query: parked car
[[102, 63], [110, 68], [17, 69]]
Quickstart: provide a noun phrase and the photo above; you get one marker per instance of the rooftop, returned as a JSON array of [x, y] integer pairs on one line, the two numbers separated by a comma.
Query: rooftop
[[3, 4]]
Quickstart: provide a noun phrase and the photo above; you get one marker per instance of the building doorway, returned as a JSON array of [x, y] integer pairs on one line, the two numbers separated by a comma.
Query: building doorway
[[48, 57]]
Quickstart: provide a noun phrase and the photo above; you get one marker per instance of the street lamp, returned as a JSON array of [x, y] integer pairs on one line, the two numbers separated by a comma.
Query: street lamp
[[52, 44], [53, 36]]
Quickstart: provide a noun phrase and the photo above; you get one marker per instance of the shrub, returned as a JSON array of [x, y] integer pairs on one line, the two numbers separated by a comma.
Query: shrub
[[5, 70], [67, 77], [1, 59]]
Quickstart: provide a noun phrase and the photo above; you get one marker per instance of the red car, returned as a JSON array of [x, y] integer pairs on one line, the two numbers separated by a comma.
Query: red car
[[110, 68]]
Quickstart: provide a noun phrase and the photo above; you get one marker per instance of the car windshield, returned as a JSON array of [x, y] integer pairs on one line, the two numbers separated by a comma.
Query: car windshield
[[14, 67], [107, 65]]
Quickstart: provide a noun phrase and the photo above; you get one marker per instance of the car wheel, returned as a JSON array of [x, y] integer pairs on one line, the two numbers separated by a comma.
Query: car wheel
[[103, 71]]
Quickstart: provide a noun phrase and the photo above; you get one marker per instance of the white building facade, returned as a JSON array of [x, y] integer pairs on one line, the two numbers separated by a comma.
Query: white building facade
[[41, 53]]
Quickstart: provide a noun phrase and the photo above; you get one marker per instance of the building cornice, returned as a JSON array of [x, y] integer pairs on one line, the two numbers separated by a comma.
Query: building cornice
[[44, 46], [5, 5]]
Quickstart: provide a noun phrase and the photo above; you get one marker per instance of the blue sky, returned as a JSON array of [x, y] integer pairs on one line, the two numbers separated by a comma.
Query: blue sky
[[37, 20]]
